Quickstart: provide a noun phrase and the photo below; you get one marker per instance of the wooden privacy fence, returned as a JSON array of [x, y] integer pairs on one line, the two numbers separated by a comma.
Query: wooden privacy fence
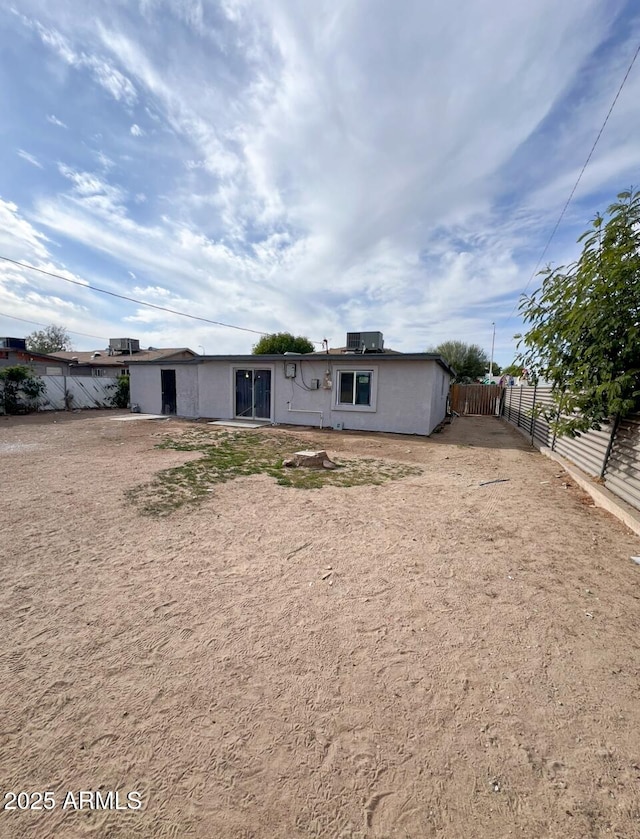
[[611, 455], [476, 399]]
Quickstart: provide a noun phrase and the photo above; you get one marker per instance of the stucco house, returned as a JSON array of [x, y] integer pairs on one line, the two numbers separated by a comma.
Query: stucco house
[[368, 391]]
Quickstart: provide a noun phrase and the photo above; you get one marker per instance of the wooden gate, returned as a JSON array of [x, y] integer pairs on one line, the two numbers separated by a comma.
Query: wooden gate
[[475, 399]]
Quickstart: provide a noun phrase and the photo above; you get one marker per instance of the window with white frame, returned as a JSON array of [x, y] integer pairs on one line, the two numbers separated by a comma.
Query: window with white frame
[[355, 387]]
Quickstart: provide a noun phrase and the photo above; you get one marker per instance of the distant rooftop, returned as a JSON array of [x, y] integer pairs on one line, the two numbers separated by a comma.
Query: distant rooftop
[[103, 359]]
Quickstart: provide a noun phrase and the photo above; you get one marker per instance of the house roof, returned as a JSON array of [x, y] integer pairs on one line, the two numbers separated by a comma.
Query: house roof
[[32, 356], [367, 358], [120, 359]]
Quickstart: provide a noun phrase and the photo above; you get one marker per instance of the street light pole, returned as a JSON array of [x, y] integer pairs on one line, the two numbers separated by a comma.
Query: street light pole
[[493, 342], [200, 347]]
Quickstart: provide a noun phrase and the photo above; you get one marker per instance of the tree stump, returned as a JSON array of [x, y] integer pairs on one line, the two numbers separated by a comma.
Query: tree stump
[[310, 459]]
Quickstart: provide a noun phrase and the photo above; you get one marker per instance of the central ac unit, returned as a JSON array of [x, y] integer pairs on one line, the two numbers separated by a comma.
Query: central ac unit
[[365, 342], [124, 344]]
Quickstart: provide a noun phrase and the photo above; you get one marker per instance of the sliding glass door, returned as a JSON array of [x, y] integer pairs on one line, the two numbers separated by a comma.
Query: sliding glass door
[[253, 394]]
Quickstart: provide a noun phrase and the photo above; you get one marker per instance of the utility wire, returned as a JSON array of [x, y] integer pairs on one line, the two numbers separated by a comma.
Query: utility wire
[[37, 323], [575, 186], [134, 300]]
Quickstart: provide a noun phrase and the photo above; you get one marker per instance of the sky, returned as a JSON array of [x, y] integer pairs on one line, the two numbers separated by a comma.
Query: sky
[[315, 167]]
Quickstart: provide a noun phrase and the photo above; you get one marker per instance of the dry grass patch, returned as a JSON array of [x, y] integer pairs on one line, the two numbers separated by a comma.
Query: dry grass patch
[[232, 454]]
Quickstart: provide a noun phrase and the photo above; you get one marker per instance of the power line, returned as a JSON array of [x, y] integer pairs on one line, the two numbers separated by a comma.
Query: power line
[[37, 323], [575, 186], [134, 300]]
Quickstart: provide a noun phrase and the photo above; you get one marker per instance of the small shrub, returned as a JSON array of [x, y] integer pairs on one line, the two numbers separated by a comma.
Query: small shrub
[[120, 397], [20, 390]]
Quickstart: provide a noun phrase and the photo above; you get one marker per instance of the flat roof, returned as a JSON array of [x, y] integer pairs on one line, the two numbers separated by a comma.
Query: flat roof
[[365, 358]]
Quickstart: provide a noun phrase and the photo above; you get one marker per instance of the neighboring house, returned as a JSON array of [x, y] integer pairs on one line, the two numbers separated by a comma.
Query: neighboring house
[[13, 352], [372, 391], [117, 358]]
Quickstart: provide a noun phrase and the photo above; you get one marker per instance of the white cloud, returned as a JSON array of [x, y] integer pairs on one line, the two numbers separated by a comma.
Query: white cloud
[[29, 158], [183, 107], [95, 194], [338, 166], [30, 294], [55, 121], [103, 71], [18, 238], [111, 79], [104, 161]]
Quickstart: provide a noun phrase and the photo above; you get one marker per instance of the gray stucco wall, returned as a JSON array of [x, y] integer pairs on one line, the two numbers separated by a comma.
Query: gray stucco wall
[[215, 383], [145, 384], [403, 396], [145, 388], [407, 396], [439, 393], [186, 389]]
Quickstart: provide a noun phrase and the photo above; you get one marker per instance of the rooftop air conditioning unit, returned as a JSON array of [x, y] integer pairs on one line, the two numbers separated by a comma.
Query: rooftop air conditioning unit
[[365, 342], [124, 344]]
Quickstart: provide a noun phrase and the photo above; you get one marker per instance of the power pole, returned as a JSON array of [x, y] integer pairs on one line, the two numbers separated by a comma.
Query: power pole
[[493, 341]]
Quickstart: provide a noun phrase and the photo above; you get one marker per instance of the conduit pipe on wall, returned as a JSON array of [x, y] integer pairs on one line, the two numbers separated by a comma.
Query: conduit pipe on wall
[[305, 411]]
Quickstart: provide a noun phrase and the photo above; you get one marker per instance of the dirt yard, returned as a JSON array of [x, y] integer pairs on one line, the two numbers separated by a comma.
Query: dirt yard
[[469, 668]]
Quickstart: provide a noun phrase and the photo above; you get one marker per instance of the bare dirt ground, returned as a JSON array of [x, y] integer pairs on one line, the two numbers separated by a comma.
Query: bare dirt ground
[[469, 669]]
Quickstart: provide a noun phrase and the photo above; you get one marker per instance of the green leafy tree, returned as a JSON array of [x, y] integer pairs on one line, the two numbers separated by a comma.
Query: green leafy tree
[[20, 389], [469, 361], [50, 339], [584, 324], [497, 370], [513, 369], [281, 342]]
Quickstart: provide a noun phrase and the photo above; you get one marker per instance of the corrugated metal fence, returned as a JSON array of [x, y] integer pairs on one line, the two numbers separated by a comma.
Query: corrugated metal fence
[[613, 453], [69, 392], [622, 474]]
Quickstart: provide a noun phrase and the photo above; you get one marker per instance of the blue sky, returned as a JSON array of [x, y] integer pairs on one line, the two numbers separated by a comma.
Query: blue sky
[[315, 167]]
